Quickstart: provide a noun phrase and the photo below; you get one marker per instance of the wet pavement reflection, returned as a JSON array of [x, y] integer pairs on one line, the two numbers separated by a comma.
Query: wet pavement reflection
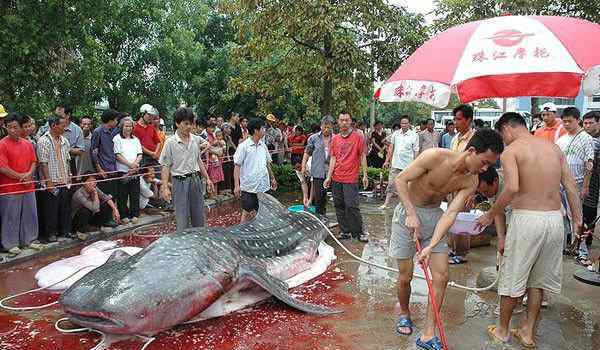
[[366, 295]]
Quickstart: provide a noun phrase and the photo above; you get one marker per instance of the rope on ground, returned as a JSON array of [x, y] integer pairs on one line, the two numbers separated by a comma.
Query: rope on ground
[[387, 268], [99, 346], [27, 308]]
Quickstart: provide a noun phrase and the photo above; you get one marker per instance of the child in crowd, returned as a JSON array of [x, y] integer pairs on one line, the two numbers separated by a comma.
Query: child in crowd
[[215, 166]]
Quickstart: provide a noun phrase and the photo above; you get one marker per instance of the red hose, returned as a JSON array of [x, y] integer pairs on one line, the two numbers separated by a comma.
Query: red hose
[[434, 306]]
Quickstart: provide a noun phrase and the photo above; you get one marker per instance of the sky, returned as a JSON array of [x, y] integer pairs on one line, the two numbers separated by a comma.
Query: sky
[[418, 6]]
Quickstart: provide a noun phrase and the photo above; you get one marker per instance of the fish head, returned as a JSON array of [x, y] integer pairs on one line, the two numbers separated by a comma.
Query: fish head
[[146, 294]]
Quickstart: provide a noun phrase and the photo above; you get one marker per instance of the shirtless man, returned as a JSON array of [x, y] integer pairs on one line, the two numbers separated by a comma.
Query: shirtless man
[[533, 249], [422, 186]]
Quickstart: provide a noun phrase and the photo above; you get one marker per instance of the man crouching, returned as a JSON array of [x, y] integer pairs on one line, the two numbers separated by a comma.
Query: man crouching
[[422, 186]]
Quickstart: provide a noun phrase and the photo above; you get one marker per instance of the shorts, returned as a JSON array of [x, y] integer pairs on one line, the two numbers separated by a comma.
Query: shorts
[[402, 245], [532, 252], [303, 178], [249, 201], [391, 187]]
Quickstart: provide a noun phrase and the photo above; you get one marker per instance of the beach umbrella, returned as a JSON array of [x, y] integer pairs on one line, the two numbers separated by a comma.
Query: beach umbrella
[[501, 57]]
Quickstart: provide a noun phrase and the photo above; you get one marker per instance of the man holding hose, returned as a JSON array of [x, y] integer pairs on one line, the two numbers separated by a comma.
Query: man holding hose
[[422, 186]]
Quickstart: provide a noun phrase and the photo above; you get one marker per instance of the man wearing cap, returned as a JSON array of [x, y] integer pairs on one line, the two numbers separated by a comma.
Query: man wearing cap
[[553, 128], [145, 131], [73, 134], [3, 114], [273, 136]]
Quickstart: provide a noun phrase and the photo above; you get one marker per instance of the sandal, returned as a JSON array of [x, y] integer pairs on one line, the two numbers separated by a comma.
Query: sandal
[[432, 344], [456, 260], [583, 260], [492, 333], [515, 333], [404, 322]]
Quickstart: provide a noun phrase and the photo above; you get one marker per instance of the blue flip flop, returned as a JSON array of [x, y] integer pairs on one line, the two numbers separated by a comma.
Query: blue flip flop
[[404, 322], [432, 344]]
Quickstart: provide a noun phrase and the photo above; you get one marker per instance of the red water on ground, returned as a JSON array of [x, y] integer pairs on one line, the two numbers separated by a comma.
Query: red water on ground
[[267, 325]]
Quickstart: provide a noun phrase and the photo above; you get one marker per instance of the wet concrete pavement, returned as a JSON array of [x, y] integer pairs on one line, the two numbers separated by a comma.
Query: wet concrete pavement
[[365, 294]]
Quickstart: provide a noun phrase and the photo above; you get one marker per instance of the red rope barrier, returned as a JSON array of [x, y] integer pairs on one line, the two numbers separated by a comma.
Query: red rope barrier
[[434, 306]]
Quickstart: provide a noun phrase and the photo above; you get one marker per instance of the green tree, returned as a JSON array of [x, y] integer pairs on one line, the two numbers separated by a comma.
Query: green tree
[[326, 52], [450, 13]]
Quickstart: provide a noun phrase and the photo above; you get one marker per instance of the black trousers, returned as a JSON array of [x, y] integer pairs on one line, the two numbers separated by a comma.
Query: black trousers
[[227, 183], [589, 215], [128, 193], [109, 185], [84, 217], [347, 211], [57, 212], [319, 196]]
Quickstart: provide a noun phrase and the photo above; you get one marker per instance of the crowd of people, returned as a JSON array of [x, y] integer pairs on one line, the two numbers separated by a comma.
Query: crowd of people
[[70, 177]]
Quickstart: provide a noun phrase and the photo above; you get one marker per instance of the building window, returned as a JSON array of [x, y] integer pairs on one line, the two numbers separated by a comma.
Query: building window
[[596, 98], [564, 101]]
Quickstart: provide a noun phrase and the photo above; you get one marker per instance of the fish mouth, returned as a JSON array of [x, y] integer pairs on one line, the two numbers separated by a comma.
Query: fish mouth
[[95, 320]]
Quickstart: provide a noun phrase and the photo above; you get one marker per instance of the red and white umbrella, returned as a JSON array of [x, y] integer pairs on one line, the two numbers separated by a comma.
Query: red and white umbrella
[[506, 56]]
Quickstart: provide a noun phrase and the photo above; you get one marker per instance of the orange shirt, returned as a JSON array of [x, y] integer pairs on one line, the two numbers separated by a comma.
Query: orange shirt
[[551, 133]]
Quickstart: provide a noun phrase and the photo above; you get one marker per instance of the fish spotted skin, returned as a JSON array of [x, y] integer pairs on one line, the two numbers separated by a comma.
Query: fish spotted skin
[[181, 274]]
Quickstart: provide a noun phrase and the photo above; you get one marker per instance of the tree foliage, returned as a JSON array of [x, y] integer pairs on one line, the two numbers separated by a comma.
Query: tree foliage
[[450, 13], [325, 52]]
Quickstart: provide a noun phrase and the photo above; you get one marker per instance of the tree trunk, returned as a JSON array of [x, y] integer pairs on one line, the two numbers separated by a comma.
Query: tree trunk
[[327, 102]]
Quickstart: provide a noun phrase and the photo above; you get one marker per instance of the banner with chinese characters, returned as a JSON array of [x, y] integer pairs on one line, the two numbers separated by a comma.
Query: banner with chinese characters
[[432, 93]]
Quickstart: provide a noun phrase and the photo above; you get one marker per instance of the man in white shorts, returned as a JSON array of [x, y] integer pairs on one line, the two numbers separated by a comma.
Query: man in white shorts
[[532, 259]]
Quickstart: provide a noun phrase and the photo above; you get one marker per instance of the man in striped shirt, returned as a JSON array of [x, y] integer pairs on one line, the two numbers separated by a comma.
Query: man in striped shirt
[[578, 147], [590, 203]]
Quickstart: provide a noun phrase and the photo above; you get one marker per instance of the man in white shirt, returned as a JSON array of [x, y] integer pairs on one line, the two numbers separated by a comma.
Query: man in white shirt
[[578, 147], [403, 148], [252, 173]]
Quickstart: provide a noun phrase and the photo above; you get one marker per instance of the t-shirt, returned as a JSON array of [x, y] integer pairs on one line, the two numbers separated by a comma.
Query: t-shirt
[[297, 139], [147, 135], [578, 149], [18, 156], [592, 199], [405, 146], [129, 148], [347, 152], [553, 133], [82, 199], [253, 159]]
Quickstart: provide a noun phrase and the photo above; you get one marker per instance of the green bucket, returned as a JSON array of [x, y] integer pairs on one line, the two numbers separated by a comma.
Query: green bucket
[[300, 208]]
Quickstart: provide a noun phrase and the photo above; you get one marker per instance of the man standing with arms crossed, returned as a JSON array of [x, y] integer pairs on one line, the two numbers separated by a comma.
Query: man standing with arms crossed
[[422, 186], [533, 249], [347, 156]]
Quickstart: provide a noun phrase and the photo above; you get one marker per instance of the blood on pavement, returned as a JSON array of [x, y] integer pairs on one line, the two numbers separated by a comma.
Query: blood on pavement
[[265, 326]]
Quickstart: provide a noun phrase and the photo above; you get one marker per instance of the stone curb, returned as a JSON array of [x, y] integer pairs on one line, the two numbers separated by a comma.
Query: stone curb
[[95, 236]]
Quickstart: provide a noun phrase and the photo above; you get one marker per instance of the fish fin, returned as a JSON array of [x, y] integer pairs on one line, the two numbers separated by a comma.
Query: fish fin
[[118, 256], [279, 289]]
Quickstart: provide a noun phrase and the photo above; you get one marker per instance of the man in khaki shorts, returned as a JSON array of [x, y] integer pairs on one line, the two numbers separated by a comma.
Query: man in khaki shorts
[[422, 186], [532, 259]]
